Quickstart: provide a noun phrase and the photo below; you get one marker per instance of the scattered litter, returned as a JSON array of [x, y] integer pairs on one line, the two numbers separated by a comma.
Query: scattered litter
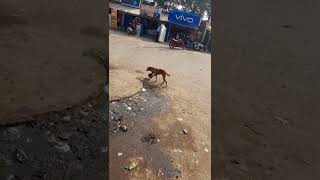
[[160, 173], [177, 150], [123, 128], [185, 131], [142, 109], [128, 107], [144, 89], [21, 155], [280, 119], [131, 166], [206, 150], [144, 100], [179, 119], [119, 153]]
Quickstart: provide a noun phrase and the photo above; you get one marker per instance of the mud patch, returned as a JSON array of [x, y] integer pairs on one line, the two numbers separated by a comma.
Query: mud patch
[[140, 140], [69, 144], [150, 138]]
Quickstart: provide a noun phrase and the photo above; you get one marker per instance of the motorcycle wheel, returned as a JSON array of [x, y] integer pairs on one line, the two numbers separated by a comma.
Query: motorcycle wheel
[[171, 46]]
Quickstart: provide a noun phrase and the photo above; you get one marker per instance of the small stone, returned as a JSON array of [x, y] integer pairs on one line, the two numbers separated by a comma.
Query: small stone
[[21, 155], [144, 100], [129, 108], [90, 105], [123, 128], [185, 131], [66, 118], [119, 153], [142, 109], [206, 150], [179, 119], [144, 89], [29, 140]]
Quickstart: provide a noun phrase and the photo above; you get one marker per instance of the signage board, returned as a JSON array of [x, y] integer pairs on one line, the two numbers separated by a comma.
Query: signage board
[[131, 3], [184, 18], [147, 10]]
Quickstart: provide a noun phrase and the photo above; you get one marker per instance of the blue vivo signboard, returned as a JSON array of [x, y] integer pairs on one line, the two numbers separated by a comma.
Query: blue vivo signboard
[[131, 3], [184, 18]]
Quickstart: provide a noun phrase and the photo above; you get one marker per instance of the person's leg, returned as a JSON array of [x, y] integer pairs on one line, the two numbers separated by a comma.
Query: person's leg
[[157, 36]]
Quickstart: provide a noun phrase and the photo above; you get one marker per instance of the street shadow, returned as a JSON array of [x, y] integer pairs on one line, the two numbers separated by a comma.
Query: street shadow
[[149, 84]]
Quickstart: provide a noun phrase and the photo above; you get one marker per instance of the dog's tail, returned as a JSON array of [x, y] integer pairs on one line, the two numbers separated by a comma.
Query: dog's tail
[[168, 74]]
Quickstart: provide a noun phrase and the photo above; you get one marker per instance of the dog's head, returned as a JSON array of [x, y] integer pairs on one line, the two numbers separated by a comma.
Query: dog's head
[[149, 69], [150, 75]]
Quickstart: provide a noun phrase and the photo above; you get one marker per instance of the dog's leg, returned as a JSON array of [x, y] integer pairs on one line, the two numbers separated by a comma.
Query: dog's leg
[[156, 78], [164, 80]]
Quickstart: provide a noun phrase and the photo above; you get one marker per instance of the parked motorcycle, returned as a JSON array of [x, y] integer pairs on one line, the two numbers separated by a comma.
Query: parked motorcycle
[[176, 43]]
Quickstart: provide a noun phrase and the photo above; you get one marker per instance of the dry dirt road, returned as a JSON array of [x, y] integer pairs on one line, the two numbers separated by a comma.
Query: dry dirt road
[[266, 90], [186, 104]]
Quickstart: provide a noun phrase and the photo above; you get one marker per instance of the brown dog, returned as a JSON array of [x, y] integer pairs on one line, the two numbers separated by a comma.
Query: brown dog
[[155, 72]]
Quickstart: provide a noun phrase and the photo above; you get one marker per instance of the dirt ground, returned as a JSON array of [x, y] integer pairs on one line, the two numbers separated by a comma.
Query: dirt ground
[[44, 47], [266, 90], [161, 113], [53, 113]]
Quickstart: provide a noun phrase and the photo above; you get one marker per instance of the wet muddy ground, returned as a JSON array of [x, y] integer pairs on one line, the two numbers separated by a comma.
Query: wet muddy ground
[[70, 144], [135, 137]]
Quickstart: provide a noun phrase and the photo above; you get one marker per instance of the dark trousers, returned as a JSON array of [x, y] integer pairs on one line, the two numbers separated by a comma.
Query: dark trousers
[[157, 37]]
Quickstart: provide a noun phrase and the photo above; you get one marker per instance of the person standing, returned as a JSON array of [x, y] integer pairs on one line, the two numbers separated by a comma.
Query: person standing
[[158, 33]]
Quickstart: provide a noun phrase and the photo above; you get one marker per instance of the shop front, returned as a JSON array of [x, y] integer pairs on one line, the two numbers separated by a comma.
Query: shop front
[[183, 24]]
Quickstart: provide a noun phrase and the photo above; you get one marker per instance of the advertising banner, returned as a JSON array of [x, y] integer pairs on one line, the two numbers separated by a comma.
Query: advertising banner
[[184, 19]]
